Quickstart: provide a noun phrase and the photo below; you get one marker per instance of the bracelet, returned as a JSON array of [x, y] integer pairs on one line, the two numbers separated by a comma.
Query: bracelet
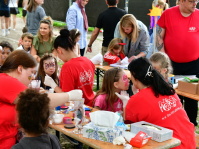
[[89, 46]]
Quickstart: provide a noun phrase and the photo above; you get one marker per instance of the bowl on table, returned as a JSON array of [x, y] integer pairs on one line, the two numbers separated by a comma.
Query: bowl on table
[[58, 118]]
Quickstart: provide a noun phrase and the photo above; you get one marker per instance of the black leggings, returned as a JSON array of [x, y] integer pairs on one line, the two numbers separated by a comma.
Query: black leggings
[[82, 51]]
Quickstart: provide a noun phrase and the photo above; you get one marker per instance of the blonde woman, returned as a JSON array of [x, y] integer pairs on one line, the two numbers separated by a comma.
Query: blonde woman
[[43, 41], [135, 34]]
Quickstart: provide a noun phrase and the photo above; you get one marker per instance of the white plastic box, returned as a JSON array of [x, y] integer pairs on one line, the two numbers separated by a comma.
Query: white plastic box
[[157, 133]]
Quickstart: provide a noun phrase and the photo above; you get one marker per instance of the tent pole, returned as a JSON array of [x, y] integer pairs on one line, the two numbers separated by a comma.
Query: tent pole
[[126, 5], [70, 2]]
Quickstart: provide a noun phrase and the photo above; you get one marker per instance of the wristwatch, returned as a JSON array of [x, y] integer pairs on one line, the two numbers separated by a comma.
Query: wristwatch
[[89, 46]]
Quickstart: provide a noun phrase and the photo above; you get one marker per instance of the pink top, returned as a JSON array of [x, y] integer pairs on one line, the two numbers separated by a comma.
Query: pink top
[[100, 101]]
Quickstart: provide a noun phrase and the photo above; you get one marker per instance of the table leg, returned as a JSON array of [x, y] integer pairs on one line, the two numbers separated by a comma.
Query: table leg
[[98, 75], [57, 134]]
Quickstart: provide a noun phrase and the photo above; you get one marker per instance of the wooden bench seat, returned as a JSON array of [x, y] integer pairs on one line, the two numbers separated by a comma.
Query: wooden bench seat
[[197, 141]]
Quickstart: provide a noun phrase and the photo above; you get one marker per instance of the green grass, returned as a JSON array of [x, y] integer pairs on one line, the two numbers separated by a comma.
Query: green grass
[[20, 12], [55, 22]]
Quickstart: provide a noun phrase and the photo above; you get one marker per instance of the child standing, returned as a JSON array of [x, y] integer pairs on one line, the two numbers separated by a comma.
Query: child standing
[[115, 51], [47, 66], [75, 36], [26, 42], [161, 62], [35, 13], [115, 80]]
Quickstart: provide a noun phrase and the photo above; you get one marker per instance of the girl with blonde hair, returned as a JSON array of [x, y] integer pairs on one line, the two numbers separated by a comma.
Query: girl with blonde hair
[[115, 51], [161, 62], [135, 34]]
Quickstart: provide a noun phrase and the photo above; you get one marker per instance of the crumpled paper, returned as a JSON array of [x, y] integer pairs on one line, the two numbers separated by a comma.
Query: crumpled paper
[[119, 141]]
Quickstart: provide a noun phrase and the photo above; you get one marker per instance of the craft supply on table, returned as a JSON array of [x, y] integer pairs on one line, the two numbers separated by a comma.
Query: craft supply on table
[[67, 120], [69, 126], [57, 118], [157, 133]]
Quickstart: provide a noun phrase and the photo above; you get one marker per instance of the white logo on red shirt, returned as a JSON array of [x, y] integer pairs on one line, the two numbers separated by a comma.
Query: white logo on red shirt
[[109, 56], [85, 76], [192, 29], [167, 103]]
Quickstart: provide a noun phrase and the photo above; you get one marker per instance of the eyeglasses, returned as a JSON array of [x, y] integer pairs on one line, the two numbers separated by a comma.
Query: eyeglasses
[[193, 2]]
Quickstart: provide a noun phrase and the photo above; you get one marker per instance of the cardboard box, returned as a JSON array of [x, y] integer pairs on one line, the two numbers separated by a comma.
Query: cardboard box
[[101, 133], [157, 133], [187, 87]]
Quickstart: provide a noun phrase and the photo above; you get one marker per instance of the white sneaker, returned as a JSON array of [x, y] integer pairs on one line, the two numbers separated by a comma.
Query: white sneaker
[[3, 32], [7, 32]]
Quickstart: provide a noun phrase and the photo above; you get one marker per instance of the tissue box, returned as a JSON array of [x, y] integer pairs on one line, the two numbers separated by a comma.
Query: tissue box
[[101, 133], [158, 133], [187, 87]]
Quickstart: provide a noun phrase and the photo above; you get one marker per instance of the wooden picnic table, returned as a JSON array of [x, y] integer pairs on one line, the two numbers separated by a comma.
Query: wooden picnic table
[[96, 144]]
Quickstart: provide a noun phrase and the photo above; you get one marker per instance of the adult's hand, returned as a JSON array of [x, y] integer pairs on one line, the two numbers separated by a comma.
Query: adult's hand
[[89, 49], [48, 81], [132, 58], [75, 95], [124, 96]]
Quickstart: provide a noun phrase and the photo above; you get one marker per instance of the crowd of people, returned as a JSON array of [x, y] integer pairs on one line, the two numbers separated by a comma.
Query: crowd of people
[[59, 63]]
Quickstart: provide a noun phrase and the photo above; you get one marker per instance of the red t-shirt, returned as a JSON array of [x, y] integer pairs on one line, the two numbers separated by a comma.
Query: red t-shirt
[[165, 111], [181, 40], [9, 90], [112, 58], [78, 73]]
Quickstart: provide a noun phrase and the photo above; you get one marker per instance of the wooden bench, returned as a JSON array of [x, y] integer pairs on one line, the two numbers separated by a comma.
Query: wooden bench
[[197, 141]]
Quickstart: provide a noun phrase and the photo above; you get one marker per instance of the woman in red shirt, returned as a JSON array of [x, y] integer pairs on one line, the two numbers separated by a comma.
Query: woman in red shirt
[[16, 74], [157, 103]]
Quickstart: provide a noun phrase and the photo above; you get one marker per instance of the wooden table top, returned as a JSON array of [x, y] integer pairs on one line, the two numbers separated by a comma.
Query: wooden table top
[[192, 96], [106, 145]]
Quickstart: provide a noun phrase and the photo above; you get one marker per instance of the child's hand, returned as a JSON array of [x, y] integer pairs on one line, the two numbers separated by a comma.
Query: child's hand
[[48, 81], [124, 96], [75, 95]]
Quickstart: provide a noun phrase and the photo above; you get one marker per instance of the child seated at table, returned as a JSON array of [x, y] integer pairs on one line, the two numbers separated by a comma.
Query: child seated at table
[[33, 113], [47, 66], [115, 51], [161, 62], [115, 80], [26, 42]]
